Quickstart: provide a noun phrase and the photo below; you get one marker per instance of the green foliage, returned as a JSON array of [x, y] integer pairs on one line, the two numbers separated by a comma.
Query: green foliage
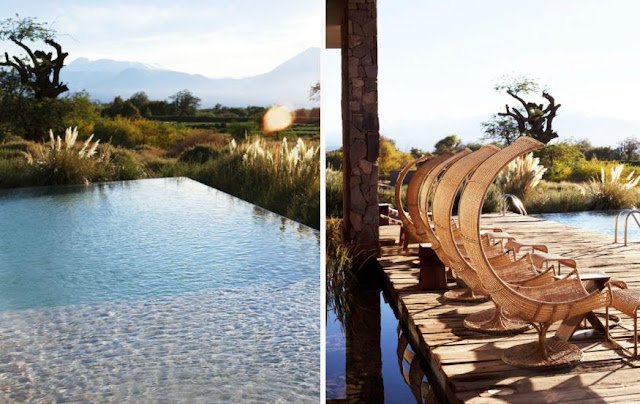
[[25, 28], [500, 129], [516, 84], [560, 160], [493, 200], [240, 131], [449, 143], [602, 153], [272, 175], [521, 176], [627, 148], [199, 154], [334, 192], [416, 153], [185, 102], [334, 159], [556, 197], [216, 140], [24, 116], [132, 132], [390, 157], [614, 192]]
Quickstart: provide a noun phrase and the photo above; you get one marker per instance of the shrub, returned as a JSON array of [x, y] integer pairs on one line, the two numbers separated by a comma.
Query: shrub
[[556, 197], [125, 166], [15, 172], [241, 130], [199, 154], [334, 193], [493, 200], [521, 176], [334, 159], [614, 193], [205, 137]]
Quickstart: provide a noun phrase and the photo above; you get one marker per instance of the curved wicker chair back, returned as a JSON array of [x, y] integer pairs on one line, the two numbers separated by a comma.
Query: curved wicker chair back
[[419, 207], [443, 202], [407, 222]]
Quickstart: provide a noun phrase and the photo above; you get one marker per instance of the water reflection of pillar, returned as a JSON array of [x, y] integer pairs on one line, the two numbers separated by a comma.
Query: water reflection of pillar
[[364, 355]]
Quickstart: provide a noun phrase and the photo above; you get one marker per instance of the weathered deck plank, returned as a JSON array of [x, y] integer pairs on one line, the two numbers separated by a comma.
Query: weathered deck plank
[[467, 364]]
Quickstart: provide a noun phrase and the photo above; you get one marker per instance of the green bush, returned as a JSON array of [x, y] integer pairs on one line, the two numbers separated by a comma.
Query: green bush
[[199, 154], [119, 132], [556, 198], [125, 165], [334, 159], [334, 193], [493, 199], [15, 172]]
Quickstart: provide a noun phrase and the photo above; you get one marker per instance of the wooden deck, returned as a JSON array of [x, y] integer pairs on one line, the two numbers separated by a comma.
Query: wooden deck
[[467, 365]]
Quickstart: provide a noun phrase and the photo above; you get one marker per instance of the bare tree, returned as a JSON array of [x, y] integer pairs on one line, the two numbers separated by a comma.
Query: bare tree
[[39, 71]]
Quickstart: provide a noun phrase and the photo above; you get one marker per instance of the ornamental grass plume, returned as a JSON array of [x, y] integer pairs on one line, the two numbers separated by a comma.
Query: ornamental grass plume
[[521, 176], [614, 192], [61, 162]]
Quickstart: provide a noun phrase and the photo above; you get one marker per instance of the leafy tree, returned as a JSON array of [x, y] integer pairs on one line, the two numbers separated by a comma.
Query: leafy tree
[[531, 119], [628, 147], [449, 143], [39, 71], [241, 130], [416, 153], [500, 129], [159, 108], [390, 157], [602, 153], [474, 146], [185, 103], [334, 159]]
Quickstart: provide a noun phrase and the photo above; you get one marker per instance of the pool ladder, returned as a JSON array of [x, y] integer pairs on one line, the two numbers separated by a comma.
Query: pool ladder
[[629, 213]]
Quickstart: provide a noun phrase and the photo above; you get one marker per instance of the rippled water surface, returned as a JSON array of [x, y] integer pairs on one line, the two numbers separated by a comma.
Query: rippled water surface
[[159, 290], [602, 221]]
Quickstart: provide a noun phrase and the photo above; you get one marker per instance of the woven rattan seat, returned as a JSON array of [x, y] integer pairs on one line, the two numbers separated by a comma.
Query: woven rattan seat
[[520, 272], [540, 306]]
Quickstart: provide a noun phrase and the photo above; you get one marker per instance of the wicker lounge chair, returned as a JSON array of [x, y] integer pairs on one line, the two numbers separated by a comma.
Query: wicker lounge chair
[[407, 223], [521, 272], [419, 209], [539, 306]]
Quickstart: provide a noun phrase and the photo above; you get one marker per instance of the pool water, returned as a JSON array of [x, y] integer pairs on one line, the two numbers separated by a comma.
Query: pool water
[[362, 355], [602, 221], [155, 290]]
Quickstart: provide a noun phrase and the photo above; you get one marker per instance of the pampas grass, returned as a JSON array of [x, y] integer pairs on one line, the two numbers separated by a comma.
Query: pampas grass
[[521, 176], [615, 192]]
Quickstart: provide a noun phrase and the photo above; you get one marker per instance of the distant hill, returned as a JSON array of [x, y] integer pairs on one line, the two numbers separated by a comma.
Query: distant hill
[[288, 83]]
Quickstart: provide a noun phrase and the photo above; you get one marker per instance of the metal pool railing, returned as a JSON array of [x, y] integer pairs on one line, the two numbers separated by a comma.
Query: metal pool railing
[[629, 213]]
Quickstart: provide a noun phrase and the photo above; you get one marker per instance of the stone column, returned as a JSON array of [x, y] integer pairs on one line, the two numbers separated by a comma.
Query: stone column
[[360, 131]]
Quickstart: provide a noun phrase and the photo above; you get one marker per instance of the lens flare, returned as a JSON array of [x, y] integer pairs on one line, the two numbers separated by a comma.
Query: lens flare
[[277, 118]]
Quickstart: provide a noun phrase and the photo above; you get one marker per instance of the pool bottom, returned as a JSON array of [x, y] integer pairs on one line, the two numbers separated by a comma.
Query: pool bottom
[[253, 344]]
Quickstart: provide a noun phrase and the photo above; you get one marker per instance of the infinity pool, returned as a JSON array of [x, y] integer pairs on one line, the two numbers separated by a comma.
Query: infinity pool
[[161, 290]]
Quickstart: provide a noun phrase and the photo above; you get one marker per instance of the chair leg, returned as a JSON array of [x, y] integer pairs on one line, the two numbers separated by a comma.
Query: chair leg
[[635, 334], [606, 326]]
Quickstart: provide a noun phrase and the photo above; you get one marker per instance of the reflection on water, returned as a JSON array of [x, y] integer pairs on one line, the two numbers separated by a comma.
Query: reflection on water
[[368, 358]]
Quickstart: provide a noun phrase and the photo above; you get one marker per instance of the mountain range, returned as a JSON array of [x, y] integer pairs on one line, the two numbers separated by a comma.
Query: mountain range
[[288, 83]]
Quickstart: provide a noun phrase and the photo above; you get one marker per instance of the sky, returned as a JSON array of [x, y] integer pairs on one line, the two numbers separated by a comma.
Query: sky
[[439, 61], [215, 38]]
